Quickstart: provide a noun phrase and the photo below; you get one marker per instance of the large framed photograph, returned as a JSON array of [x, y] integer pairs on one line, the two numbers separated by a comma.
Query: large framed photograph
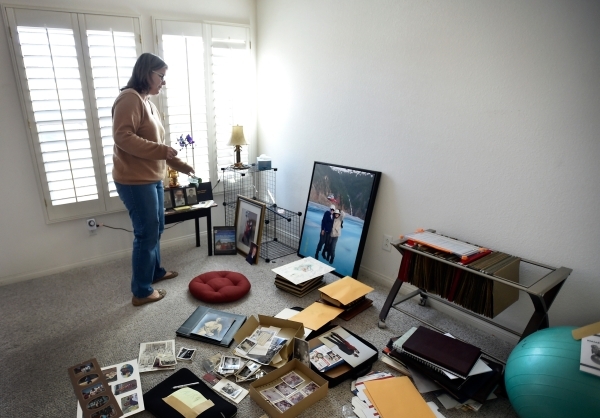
[[224, 240], [338, 213], [249, 221]]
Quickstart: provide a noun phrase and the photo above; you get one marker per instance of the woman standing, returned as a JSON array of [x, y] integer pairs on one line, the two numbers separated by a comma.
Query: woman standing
[[140, 158], [336, 231]]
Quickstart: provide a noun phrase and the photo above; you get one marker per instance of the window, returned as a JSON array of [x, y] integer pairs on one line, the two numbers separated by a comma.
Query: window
[[207, 90], [70, 67]]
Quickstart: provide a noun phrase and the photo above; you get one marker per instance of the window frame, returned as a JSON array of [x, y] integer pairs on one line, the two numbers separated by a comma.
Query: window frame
[[104, 204]]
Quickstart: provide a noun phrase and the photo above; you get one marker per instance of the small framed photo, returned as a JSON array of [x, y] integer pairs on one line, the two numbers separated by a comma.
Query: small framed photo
[[168, 199], [224, 240], [191, 198], [178, 197], [252, 254], [249, 220]]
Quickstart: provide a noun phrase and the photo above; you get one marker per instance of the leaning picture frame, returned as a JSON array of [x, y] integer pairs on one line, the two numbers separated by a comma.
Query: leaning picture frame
[[190, 196], [178, 194], [168, 199], [249, 220], [352, 192], [224, 240]]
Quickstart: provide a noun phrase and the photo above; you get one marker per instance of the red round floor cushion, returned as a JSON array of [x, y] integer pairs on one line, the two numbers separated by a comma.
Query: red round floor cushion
[[219, 286]]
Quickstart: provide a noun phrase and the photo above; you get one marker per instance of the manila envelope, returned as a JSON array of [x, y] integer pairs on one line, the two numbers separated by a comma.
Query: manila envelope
[[397, 397], [346, 290], [586, 331], [316, 315]]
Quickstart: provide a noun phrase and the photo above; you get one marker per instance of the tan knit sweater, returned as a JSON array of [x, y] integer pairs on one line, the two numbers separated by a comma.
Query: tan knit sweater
[[139, 152]]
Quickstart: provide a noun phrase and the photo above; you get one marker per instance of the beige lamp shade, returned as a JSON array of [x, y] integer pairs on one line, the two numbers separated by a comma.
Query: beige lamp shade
[[237, 136]]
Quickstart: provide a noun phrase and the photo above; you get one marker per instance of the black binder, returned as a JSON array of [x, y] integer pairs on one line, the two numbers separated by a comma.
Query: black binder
[[153, 399], [185, 330], [204, 192]]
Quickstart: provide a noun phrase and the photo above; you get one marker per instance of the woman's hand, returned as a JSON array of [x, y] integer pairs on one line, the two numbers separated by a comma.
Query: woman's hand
[[171, 152]]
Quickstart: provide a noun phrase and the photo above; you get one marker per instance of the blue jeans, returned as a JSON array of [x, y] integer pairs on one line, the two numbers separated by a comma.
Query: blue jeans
[[145, 203]]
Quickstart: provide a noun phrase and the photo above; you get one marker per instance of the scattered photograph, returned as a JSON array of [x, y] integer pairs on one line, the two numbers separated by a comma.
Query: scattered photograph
[[129, 403], [301, 351], [121, 388], [228, 389], [347, 346], [213, 326], [283, 405], [230, 363], [248, 369], [191, 198], [293, 379], [126, 370], [262, 336], [165, 360], [277, 344], [168, 199], [110, 374], [107, 412], [271, 394], [84, 368], [310, 388], [89, 379], [246, 345], [323, 358], [186, 354], [92, 391], [98, 402], [285, 389], [296, 397]]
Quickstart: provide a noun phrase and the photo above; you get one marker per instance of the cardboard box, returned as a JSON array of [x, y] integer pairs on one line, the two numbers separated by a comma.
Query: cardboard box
[[289, 330], [270, 381]]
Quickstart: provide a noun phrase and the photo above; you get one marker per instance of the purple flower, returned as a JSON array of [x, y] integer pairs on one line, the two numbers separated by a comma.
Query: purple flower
[[189, 139], [181, 141]]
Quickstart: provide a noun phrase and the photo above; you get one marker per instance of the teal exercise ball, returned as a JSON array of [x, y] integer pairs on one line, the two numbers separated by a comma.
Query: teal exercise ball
[[543, 379]]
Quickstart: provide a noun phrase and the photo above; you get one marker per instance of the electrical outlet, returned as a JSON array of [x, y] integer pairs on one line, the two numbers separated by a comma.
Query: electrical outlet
[[387, 243], [91, 224]]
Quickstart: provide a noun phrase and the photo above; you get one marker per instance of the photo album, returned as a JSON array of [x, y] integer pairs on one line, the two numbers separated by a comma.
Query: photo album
[[211, 326]]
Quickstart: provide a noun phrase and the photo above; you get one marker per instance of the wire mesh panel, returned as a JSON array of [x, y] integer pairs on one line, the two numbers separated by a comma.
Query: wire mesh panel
[[252, 183], [281, 233]]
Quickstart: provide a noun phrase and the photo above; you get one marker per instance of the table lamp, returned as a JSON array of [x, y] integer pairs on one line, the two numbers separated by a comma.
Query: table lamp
[[237, 140]]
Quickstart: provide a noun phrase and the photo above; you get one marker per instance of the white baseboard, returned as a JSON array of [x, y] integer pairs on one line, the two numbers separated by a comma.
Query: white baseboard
[[448, 310], [116, 255]]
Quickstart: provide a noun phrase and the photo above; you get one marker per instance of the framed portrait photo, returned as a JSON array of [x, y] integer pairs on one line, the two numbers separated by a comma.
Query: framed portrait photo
[[224, 240], [249, 219], [190, 196], [178, 197], [168, 199], [338, 213]]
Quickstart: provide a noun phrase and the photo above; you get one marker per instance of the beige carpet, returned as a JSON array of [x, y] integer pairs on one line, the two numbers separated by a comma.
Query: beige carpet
[[52, 323]]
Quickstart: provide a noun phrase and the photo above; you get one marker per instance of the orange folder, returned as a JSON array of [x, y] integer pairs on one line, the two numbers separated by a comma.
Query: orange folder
[[397, 397]]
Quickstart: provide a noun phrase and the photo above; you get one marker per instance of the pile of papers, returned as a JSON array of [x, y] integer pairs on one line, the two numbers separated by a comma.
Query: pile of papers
[[302, 276]]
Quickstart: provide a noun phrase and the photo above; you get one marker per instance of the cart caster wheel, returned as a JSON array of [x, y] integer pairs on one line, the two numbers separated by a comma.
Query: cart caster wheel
[[423, 302], [267, 260], [381, 324]]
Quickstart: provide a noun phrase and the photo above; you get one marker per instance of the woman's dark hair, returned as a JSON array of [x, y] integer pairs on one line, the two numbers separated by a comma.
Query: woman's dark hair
[[145, 64]]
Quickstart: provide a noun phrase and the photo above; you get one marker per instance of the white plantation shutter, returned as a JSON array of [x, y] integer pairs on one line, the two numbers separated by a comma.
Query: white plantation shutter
[[206, 90], [53, 68], [186, 102], [230, 84], [112, 50]]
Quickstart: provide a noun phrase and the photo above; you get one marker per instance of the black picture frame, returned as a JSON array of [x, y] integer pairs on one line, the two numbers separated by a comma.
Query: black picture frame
[[191, 198], [178, 196], [352, 191], [224, 240], [168, 199]]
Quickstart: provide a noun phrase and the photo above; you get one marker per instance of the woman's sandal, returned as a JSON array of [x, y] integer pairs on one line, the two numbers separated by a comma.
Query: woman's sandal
[[142, 301], [167, 276]]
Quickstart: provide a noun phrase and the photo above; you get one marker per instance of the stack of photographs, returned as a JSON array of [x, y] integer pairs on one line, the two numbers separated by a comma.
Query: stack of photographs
[[262, 346], [230, 390], [299, 290], [288, 391], [157, 355]]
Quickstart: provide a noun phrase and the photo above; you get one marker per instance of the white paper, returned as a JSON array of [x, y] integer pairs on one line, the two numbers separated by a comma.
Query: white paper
[[423, 383], [303, 270], [435, 410]]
